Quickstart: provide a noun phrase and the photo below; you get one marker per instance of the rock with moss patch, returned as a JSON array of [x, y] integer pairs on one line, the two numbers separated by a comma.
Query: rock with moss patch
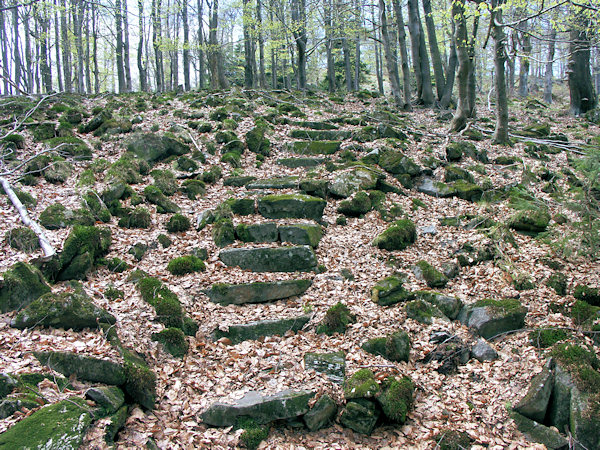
[[360, 415], [287, 404], [398, 236], [279, 259], [173, 340], [20, 285], [422, 311], [434, 188], [284, 182], [58, 172], [152, 148], [314, 187], [301, 234], [587, 294], [558, 282], [238, 294], [397, 163], [84, 367], [163, 204], [530, 221], [68, 310], [336, 320], [394, 347], [396, 398], [361, 385], [315, 147], [83, 247], [333, 365], [535, 402], [109, 398], [259, 232], [23, 239], [537, 432], [178, 223], [138, 218], [256, 330], [358, 178], [449, 306], [59, 426], [321, 414], [433, 277], [357, 206], [490, 317], [455, 150], [294, 163], [390, 291], [297, 206]]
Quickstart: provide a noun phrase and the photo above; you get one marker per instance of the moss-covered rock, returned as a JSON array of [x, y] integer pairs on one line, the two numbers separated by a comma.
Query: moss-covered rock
[[256, 330], [315, 147], [336, 320], [547, 337], [452, 440], [433, 277], [449, 306], [587, 294], [314, 187], [455, 150], [173, 341], [23, 239], [58, 172], [361, 385], [395, 347], [256, 140], [558, 282], [128, 169], [223, 232], [259, 232], [178, 223], [490, 317], [583, 313], [186, 264], [357, 206], [151, 148], [284, 182], [68, 310], [72, 146], [59, 426], [193, 188], [238, 181], [360, 415], [84, 367], [20, 285], [321, 414], [294, 163], [396, 398], [398, 236], [397, 163], [53, 217], [301, 234], [163, 204], [422, 311], [241, 206], [138, 218], [96, 122], [165, 181], [291, 206], [92, 201], [455, 173], [390, 291], [280, 259], [83, 247], [238, 294], [333, 365], [533, 221], [357, 178], [109, 398]]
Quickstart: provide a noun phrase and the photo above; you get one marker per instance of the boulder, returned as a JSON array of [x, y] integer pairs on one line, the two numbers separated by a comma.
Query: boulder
[[449, 306], [426, 272], [396, 398], [83, 247], [337, 319], [110, 398], [152, 148], [466, 190], [435, 188], [358, 178], [300, 162], [422, 311], [333, 365], [7, 384], [301, 234], [315, 147], [68, 310], [20, 285], [238, 181], [163, 204], [360, 415], [536, 432], [10, 405], [62, 425], [535, 403], [259, 232], [456, 150], [451, 352], [395, 347], [467, 255], [397, 163], [238, 294], [278, 259], [286, 182], [287, 404], [482, 351], [358, 205], [398, 236], [321, 135], [492, 317], [315, 187], [256, 330], [321, 414], [298, 206], [390, 291], [530, 221], [84, 367]]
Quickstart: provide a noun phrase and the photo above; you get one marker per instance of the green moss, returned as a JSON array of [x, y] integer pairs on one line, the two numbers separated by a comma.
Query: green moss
[[21, 284], [558, 282], [23, 239], [164, 240], [165, 181], [523, 282], [128, 169], [395, 347], [72, 146], [173, 340], [547, 337], [141, 381], [178, 223], [92, 201], [113, 293], [420, 311], [156, 197], [587, 294], [138, 218], [223, 232], [433, 277], [398, 236], [83, 240], [361, 385], [116, 265], [533, 221], [253, 433], [193, 188], [241, 206], [336, 320], [185, 264], [357, 206], [505, 305], [86, 178], [572, 355], [582, 312], [396, 398]]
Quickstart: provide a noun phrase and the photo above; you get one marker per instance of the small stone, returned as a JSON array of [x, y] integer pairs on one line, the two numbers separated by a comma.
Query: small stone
[[360, 415], [482, 351], [331, 364], [321, 414]]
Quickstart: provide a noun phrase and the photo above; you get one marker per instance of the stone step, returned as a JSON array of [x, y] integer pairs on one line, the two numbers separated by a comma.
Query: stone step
[[316, 125], [461, 189], [238, 294], [300, 162], [293, 206], [271, 259], [255, 330], [298, 234], [289, 182], [314, 147], [321, 135]]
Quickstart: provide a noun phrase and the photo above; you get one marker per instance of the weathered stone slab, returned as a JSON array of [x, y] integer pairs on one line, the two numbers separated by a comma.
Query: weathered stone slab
[[111, 398], [261, 328], [238, 294], [535, 402], [301, 234], [539, 433], [298, 206], [360, 415], [315, 147], [151, 147], [322, 413], [20, 285], [321, 135], [287, 404], [257, 232], [492, 317], [347, 183], [435, 188], [278, 259], [300, 162], [450, 306], [84, 367], [390, 291], [290, 182], [331, 364]]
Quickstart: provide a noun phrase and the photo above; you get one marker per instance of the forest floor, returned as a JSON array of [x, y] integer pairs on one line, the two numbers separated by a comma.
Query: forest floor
[[474, 399]]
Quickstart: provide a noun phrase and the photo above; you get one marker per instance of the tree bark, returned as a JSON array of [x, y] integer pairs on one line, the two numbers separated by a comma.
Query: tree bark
[[450, 74], [501, 130], [126, 62], [301, 37], [419, 53], [549, 75], [186, 46], [524, 66], [390, 59], [142, 69], [262, 80], [248, 47], [16, 50], [88, 70], [45, 68], [438, 68], [358, 12], [201, 71], [28, 58], [331, 83], [78, 11], [66, 47], [459, 121], [119, 47], [581, 89], [403, 54], [156, 36], [4, 44], [95, 49]]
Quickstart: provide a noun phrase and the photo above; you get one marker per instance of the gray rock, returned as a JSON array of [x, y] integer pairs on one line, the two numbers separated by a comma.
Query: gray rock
[[394, 347], [84, 367], [430, 229], [450, 269], [451, 353], [398, 163], [280, 259], [360, 415], [7, 384], [390, 291], [283, 405], [298, 206], [301, 234], [321, 414], [535, 402], [204, 218], [347, 183], [584, 422], [289, 182], [238, 294], [449, 306], [255, 330], [151, 147], [9, 406], [539, 433], [492, 317], [434, 188], [331, 364], [258, 232], [20, 285], [482, 351], [559, 408], [111, 398]]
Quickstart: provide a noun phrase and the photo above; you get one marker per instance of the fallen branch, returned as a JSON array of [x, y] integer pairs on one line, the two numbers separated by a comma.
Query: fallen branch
[[44, 242]]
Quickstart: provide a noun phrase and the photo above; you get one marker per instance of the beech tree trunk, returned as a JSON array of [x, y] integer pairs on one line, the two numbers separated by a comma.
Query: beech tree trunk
[[126, 62], [142, 69], [66, 47], [438, 68], [524, 66], [450, 74], [248, 47], [201, 71], [156, 36], [16, 50], [390, 57], [419, 54], [501, 130], [459, 121], [301, 37], [549, 75], [403, 55], [262, 80], [581, 89], [119, 47], [331, 84]]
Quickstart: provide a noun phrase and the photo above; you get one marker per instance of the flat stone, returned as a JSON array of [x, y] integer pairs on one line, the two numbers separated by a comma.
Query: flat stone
[[490, 320], [435, 188], [301, 234], [360, 415], [151, 147], [321, 414], [301, 162], [84, 367], [257, 232], [111, 398], [315, 147], [449, 306], [539, 433], [347, 183], [256, 330], [20, 285], [297, 206], [238, 294], [290, 182], [390, 291], [287, 404], [535, 402], [278, 259], [331, 364], [482, 351]]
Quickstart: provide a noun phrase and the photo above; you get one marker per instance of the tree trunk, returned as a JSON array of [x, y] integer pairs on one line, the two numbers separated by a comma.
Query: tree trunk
[[549, 72], [420, 56], [201, 71], [186, 46], [119, 48], [262, 80], [66, 47], [501, 131], [524, 66], [156, 36], [95, 49], [215, 59], [4, 44], [301, 37], [16, 50], [45, 68], [347, 65], [583, 97], [126, 62], [28, 58], [438, 69], [403, 54], [358, 12], [142, 69], [88, 70], [459, 121], [248, 47], [78, 10], [390, 60], [331, 84], [472, 85], [450, 74]]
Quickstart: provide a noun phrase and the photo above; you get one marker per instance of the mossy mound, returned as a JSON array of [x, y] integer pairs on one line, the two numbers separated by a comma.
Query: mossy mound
[[138, 218], [223, 232], [336, 320], [390, 291], [20, 285], [395, 347], [152, 148], [173, 341], [396, 398], [558, 282], [583, 313], [57, 216], [361, 385], [587, 294], [71, 146], [23, 239], [398, 236], [253, 433], [163, 205], [84, 367], [422, 311], [357, 206], [178, 223], [165, 181], [532, 221], [256, 140], [58, 172], [83, 247], [186, 264], [92, 201], [433, 277], [193, 188], [547, 337], [128, 169]]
